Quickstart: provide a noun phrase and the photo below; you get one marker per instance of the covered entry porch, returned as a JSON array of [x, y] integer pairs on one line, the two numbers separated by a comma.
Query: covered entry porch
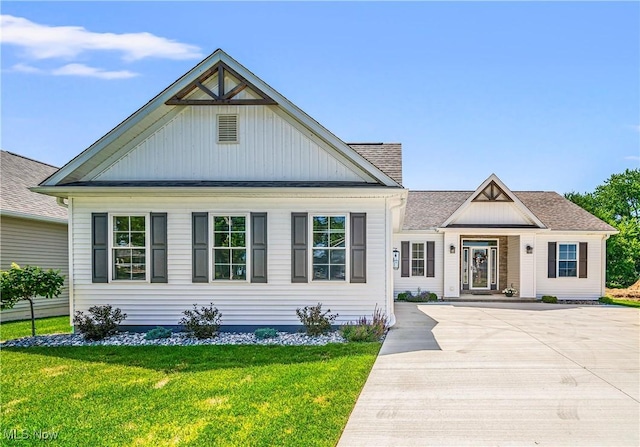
[[488, 262]]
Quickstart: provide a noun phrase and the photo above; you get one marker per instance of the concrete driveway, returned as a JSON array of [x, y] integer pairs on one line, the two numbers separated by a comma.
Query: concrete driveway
[[503, 374]]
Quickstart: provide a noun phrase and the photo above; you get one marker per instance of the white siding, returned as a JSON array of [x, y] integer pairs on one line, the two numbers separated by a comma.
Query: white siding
[[513, 261], [412, 283], [242, 302], [31, 242], [269, 148], [570, 288], [451, 265], [492, 213]]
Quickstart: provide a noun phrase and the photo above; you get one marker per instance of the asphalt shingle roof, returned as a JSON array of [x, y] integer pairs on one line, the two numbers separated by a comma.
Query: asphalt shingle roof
[[17, 174], [430, 209], [385, 156]]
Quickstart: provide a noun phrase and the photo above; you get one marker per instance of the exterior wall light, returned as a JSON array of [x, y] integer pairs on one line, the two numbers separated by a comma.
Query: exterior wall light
[[529, 249], [396, 259], [452, 249]]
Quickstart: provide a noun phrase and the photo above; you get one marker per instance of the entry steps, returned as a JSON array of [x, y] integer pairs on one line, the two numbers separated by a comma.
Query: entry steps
[[493, 298]]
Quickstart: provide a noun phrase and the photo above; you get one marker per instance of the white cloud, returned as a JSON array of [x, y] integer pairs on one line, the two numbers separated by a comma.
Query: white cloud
[[632, 157], [46, 42], [84, 70], [25, 68]]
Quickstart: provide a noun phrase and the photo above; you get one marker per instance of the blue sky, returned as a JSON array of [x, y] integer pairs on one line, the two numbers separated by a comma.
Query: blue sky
[[546, 95]]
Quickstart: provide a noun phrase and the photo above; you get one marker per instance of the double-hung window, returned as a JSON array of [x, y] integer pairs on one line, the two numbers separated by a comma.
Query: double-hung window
[[567, 260], [129, 247], [417, 259], [329, 247], [229, 247]]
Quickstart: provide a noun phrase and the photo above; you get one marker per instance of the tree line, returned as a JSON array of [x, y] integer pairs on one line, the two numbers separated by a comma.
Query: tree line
[[617, 202]]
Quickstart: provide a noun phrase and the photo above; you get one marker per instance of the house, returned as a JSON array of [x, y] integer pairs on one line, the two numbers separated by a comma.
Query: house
[[33, 230], [221, 190], [459, 243]]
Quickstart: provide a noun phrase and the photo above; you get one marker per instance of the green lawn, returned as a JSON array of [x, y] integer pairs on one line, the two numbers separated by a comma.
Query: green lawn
[[619, 301], [18, 329], [196, 395]]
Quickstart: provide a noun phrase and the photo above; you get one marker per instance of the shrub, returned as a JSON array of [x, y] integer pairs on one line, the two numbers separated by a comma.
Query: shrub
[[550, 299], [103, 322], [314, 320], [402, 296], [158, 332], [419, 297], [366, 330], [203, 323], [265, 332]]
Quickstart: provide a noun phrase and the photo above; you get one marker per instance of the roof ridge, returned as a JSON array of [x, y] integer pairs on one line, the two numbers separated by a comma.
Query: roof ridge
[[30, 159]]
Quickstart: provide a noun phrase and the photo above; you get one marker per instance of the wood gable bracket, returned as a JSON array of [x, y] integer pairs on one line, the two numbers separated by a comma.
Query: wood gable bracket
[[492, 193], [223, 97]]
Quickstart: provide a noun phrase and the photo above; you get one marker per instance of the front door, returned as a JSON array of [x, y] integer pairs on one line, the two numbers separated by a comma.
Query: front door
[[479, 269], [479, 264]]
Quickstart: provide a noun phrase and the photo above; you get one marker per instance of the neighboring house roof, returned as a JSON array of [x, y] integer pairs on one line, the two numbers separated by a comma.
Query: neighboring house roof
[[385, 156], [17, 175], [430, 209], [114, 145]]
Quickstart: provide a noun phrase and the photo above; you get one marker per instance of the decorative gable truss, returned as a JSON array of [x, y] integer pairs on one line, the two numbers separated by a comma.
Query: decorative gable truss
[[492, 193], [493, 204], [225, 90]]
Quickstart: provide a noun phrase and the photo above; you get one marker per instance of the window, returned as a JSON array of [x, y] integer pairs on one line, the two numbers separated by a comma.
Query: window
[[417, 259], [229, 248], [567, 260], [329, 248], [129, 243], [227, 128]]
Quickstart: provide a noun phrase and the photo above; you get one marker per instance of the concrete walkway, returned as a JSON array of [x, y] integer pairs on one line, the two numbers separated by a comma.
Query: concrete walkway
[[503, 374]]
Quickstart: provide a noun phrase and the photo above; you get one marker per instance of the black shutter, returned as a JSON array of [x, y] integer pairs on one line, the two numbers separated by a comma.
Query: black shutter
[[404, 259], [200, 252], [431, 259], [582, 265], [358, 247], [551, 260], [258, 247], [99, 247], [159, 247], [299, 242]]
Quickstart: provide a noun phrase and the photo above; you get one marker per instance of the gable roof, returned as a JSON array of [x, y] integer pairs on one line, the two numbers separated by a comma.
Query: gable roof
[[17, 175], [493, 189], [431, 209], [385, 156], [109, 148]]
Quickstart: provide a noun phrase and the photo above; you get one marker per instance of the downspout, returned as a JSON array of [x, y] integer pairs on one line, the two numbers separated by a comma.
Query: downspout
[[60, 201], [390, 210], [603, 265]]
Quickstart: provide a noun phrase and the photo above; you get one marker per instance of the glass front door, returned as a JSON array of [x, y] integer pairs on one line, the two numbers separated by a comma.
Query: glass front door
[[479, 268]]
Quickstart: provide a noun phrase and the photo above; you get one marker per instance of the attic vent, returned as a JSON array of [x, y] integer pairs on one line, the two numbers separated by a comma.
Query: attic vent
[[227, 128]]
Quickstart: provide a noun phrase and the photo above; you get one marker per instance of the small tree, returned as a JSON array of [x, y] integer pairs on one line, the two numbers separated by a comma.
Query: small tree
[[27, 283]]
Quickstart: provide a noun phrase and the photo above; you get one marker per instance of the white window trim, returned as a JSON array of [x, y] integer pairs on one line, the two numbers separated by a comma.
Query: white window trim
[[237, 141], [424, 259], [147, 228], [577, 260], [347, 248], [247, 246]]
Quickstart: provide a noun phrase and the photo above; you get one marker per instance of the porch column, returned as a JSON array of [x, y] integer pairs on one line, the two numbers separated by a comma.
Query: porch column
[[528, 266], [451, 263]]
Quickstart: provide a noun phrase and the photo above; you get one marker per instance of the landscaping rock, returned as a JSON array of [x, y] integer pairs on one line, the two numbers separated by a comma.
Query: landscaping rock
[[178, 339]]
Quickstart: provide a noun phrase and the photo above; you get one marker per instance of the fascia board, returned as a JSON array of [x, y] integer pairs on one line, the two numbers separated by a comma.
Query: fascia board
[[114, 191]]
